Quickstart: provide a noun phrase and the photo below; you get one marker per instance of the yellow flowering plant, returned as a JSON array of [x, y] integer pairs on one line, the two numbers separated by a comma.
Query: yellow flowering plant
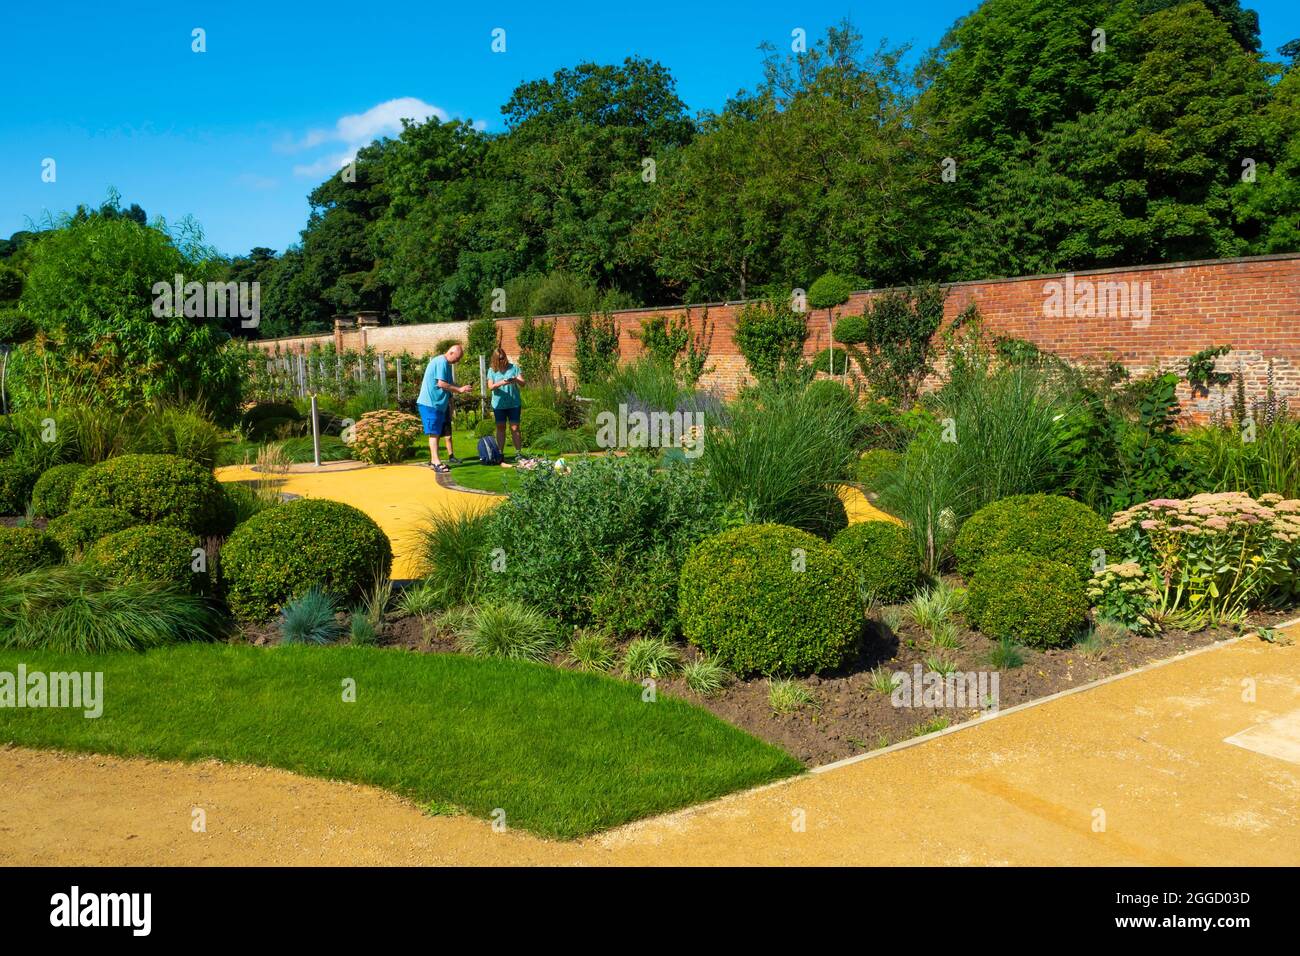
[[1125, 594]]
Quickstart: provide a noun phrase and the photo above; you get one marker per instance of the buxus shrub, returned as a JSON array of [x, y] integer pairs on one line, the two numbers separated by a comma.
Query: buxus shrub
[[885, 563], [1045, 526], [1026, 599], [52, 491], [161, 553], [26, 549], [80, 528], [277, 554], [157, 489], [770, 599], [17, 479]]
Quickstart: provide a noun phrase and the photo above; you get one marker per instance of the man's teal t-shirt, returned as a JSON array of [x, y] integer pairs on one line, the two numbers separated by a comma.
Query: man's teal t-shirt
[[507, 396], [430, 393]]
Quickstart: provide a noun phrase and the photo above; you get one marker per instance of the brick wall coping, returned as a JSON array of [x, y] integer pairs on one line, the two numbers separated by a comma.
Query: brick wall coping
[[1152, 267]]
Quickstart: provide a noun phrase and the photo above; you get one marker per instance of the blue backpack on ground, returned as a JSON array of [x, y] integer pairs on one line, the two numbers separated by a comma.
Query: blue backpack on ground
[[489, 452]]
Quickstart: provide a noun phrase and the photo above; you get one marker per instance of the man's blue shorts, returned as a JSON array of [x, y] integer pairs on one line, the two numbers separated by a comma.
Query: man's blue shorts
[[437, 421], [503, 415]]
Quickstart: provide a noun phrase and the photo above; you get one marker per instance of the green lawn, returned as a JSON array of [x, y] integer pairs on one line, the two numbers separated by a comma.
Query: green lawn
[[493, 478], [473, 475], [562, 753]]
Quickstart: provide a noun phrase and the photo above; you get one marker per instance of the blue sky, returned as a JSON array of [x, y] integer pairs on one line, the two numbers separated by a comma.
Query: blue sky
[[237, 136]]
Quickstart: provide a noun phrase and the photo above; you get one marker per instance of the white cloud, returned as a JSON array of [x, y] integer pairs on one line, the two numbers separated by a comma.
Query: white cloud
[[386, 119], [326, 165], [359, 129]]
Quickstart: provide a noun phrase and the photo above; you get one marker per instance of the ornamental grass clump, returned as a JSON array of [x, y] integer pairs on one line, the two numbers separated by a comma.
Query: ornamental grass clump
[[452, 546], [76, 609], [310, 619], [705, 677], [1212, 557], [776, 456], [384, 437], [591, 651], [650, 657], [506, 629]]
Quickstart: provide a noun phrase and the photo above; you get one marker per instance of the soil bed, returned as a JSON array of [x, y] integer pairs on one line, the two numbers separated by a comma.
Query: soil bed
[[14, 521]]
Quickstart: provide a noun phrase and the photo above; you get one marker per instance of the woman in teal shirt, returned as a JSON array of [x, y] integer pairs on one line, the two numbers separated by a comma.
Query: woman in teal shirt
[[504, 379]]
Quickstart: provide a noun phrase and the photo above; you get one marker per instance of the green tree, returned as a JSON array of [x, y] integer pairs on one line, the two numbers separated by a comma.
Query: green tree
[[574, 174], [436, 257], [91, 293], [11, 282], [256, 267], [290, 303], [340, 244], [715, 228], [1154, 167], [772, 192], [1090, 133], [1268, 208]]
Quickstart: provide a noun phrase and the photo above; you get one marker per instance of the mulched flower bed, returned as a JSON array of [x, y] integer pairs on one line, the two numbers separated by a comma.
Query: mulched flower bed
[[850, 716]]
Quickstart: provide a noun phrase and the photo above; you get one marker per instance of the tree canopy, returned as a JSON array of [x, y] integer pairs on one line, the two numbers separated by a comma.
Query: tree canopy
[[1038, 136]]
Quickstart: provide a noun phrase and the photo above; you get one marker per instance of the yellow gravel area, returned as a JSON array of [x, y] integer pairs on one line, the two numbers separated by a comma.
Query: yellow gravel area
[[398, 497]]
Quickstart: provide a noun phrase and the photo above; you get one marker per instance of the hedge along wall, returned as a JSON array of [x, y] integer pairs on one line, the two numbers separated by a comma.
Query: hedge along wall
[[1172, 311]]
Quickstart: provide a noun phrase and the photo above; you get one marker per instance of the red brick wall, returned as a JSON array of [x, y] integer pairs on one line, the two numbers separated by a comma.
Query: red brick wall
[[1252, 304]]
